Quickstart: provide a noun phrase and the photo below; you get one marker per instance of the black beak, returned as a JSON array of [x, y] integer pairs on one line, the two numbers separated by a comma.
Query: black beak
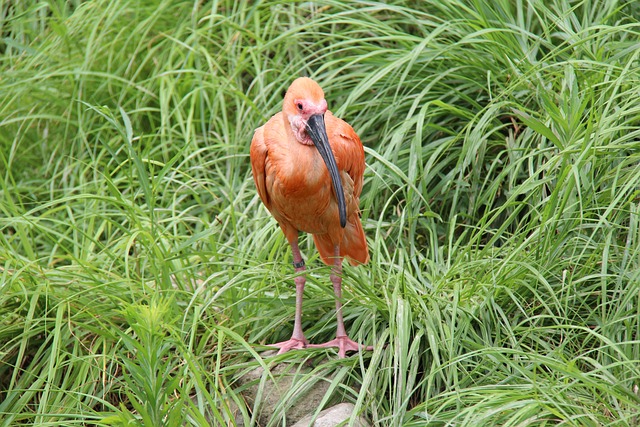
[[318, 133]]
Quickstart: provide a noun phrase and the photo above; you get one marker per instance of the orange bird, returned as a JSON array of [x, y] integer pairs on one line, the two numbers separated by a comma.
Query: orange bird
[[308, 165]]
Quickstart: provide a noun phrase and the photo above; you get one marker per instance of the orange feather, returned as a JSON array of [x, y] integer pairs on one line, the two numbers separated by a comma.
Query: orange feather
[[294, 183]]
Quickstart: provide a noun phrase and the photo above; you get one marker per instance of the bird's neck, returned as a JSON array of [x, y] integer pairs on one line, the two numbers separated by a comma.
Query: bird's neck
[[298, 127]]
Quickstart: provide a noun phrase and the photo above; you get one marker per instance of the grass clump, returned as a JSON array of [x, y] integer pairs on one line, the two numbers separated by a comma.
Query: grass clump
[[140, 274]]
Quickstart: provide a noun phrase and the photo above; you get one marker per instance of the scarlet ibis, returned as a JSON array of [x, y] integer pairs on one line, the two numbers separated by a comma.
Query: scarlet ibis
[[307, 166]]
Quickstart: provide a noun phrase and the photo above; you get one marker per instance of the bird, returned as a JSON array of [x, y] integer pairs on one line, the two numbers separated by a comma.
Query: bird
[[308, 168]]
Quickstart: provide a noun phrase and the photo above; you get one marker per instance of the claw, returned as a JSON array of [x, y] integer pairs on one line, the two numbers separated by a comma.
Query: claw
[[344, 344], [290, 344]]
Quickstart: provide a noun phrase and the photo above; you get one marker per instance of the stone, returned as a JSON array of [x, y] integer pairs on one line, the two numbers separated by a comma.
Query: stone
[[310, 392], [333, 417]]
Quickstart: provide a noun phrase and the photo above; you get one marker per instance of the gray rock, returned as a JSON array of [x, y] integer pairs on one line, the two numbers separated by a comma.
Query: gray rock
[[286, 392], [333, 417]]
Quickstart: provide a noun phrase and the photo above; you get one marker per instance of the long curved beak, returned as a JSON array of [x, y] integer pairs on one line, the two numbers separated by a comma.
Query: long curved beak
[[318, 133]]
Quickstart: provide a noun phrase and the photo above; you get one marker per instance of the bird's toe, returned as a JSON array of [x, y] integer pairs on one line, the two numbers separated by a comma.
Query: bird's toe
[[290, 344], [343, 344]]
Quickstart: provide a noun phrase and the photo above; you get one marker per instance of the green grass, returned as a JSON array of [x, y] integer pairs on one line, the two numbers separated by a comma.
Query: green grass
[[140, 275]]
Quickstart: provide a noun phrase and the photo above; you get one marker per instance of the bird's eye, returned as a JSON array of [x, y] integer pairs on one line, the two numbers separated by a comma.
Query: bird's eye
[[300, 106]]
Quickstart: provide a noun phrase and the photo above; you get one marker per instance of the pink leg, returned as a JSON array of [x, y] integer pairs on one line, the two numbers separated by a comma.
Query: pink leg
[[342, 341], [297, 339]]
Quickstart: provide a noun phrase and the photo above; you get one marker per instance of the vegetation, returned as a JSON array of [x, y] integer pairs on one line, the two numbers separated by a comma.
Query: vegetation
[[140, 275]]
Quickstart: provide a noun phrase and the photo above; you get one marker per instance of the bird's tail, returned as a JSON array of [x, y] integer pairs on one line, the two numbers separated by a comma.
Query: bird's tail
[[353, 246]]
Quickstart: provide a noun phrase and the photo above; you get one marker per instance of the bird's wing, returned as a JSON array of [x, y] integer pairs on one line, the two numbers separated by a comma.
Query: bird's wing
[[258, 154], [349, 153], [347, 149]]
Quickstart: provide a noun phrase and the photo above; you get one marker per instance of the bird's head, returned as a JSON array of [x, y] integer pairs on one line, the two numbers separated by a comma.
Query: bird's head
[[304, 99], [304, 107]]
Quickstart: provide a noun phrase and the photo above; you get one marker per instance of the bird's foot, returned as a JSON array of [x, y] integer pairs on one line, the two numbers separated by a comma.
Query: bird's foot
[[290, 344], [344, 344]]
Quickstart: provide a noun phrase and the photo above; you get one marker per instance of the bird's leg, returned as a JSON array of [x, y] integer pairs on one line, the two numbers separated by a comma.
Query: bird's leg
[[342, 341], [297, 339], [336, 280]]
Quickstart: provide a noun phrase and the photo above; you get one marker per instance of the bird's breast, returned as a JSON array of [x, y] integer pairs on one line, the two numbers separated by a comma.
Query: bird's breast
[[301, 192]]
